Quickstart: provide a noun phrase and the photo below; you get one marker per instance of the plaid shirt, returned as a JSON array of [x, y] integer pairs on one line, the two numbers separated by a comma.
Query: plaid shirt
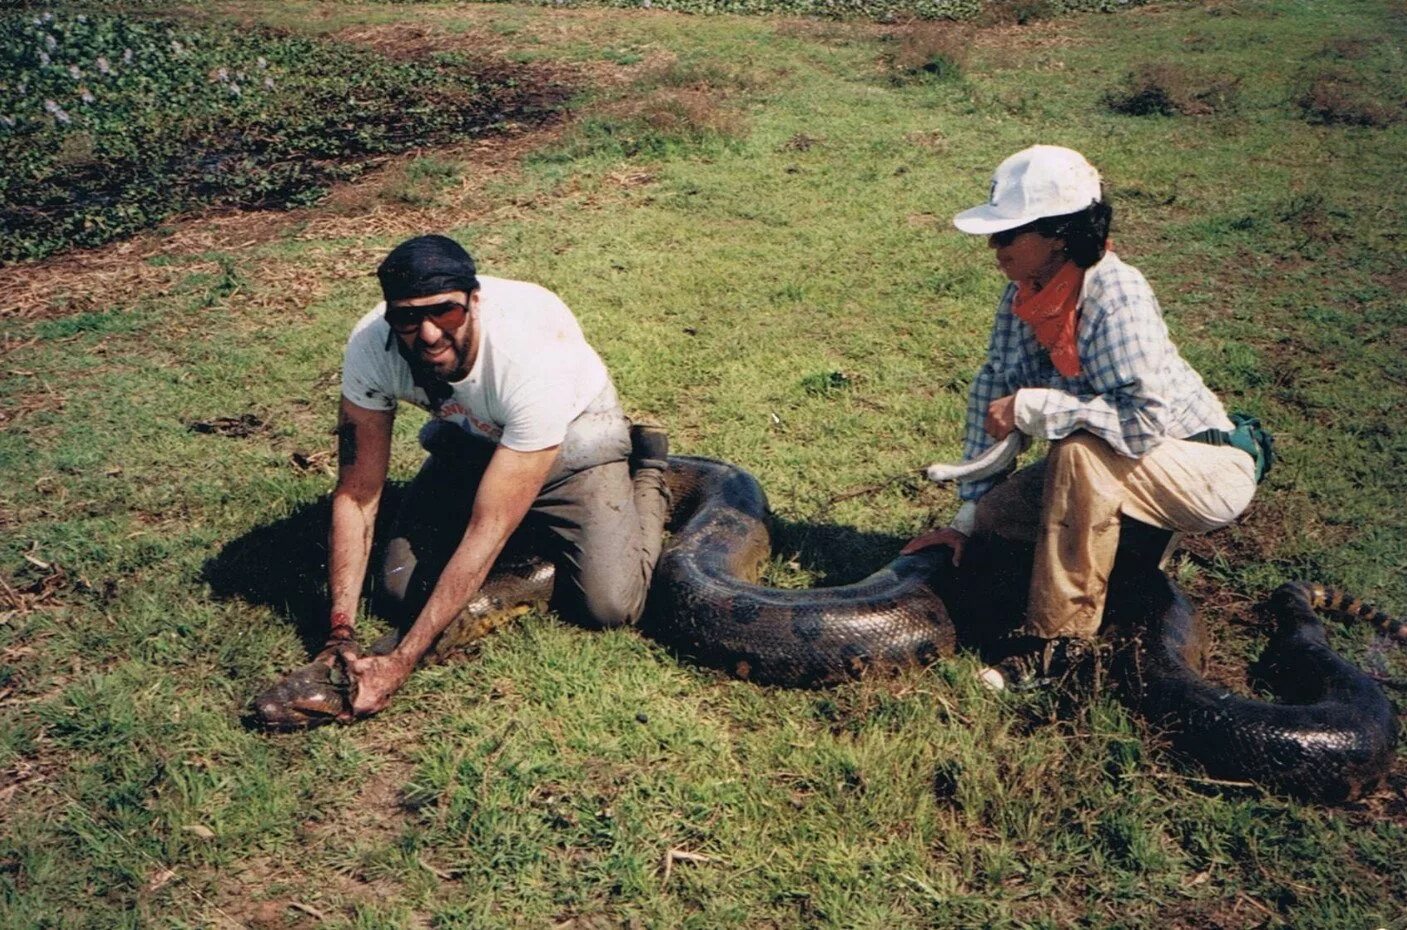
[[1133, 390]]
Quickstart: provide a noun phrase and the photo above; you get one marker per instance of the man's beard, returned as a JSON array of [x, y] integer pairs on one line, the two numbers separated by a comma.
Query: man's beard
[[451, 368]]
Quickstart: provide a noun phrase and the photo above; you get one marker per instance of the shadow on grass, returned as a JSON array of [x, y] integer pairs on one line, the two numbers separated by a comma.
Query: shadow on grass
[[840, 554], [283, 565]]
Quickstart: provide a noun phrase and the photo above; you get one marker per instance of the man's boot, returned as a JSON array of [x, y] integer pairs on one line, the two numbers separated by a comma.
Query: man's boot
[[649, 447]]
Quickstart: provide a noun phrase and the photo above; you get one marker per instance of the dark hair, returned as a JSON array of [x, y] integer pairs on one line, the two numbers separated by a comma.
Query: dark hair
[[1085, 231], [424, 266]]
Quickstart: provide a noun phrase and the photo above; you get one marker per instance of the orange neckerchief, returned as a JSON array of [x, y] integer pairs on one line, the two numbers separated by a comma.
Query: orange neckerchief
[[1054, 312]]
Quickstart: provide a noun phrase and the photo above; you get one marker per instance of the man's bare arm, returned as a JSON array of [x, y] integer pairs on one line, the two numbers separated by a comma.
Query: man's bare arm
[[510, 484], [363, 455]]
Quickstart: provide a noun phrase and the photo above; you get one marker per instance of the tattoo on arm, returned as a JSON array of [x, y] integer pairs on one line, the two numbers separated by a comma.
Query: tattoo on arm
[[347, 443]]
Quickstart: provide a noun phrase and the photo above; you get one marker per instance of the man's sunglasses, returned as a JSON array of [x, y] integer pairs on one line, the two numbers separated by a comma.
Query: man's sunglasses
[[447, 315], [1007, 236]]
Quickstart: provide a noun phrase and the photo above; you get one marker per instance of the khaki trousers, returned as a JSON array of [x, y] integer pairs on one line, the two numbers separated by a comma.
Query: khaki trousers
[[1069, 505]]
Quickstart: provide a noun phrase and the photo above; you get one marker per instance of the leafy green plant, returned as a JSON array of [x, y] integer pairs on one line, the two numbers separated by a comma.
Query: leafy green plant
[[114, 122]]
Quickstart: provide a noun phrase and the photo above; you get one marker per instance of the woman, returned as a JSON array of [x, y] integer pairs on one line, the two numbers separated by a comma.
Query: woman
[[1080, 355]]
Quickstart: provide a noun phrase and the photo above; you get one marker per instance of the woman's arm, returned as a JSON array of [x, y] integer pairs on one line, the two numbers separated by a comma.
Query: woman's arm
[[1124, 360]]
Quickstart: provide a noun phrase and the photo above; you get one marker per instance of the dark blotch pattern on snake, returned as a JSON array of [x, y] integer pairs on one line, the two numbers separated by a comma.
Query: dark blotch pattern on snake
[[1334, 742], [1331, 738]]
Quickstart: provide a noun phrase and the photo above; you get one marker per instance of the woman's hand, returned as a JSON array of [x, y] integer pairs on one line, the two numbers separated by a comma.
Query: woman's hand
[[947, 536], [1001, 417]]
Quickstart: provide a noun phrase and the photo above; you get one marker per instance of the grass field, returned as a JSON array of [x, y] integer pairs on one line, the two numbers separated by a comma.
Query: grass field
[[750, 218]]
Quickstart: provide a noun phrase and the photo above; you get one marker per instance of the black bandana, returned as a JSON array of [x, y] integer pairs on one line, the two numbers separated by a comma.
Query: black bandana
[[424, 266]]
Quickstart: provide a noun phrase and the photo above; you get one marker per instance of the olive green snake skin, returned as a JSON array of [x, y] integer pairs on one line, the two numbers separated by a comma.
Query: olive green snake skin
[[1336, 743]]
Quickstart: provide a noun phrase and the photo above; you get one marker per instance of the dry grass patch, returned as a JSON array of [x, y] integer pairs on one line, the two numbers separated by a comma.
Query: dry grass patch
[[1340, 98], [686, 112], [1016, 12], [1166, 89], [929, 51], [830, 32]]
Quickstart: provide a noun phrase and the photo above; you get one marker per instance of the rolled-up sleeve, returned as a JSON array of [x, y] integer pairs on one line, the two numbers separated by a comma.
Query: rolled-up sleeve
[[1124, 366]]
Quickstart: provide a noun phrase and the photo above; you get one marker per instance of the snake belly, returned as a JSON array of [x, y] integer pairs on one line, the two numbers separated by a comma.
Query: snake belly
[[1331, 738], [705, 599]]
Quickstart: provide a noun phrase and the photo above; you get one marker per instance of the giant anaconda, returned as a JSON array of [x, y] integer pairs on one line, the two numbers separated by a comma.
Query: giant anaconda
[[1336, 741], [1333, 738]]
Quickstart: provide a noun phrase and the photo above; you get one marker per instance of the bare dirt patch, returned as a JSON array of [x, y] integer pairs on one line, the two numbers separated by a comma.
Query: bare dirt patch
[[305, 898]]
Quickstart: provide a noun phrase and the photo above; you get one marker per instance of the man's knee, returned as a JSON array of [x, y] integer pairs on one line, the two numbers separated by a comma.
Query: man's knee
[[609, 605], [397, 569]]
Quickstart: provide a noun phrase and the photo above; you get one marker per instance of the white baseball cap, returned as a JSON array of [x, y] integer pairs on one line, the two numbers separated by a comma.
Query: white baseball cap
[[1041, 181]]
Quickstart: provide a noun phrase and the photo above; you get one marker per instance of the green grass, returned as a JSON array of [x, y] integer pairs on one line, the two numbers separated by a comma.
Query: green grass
[[751, 222]]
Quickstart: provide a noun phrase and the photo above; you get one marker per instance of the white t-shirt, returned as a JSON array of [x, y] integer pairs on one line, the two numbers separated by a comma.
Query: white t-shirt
[[534, 379]]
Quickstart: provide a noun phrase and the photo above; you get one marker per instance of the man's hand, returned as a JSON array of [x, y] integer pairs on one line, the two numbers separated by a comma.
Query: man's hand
[[1001, 417], [373, 680], [947, 536]]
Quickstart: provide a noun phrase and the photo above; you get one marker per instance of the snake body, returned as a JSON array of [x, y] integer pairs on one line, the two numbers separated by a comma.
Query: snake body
[[319, 693], [706, 601], [1333, 737], [1334, 743]]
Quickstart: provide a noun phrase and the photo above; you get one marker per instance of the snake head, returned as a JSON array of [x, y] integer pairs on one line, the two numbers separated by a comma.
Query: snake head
[[309, 696]]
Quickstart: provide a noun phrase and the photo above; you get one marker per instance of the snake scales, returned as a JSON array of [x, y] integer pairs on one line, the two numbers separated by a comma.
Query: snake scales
[[1334, 743]]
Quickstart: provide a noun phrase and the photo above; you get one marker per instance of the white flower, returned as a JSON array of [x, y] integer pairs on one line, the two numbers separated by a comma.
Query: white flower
[[234, 89], [177, 48], [86, 96], [44, 59], [269, 82], [103, 66], [56, 111], [50, 42], [126, 56], [7, 121], [222, 75], [263, 63], [74, 72]]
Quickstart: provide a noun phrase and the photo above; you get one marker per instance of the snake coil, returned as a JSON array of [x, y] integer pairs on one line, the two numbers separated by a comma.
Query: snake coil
[[1332, 741]]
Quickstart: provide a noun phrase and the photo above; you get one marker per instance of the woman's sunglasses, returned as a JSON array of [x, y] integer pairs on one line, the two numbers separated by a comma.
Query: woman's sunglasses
[[447, 315]]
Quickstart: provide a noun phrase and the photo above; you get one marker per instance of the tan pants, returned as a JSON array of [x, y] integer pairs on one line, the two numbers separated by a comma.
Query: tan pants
[[1069, 505]]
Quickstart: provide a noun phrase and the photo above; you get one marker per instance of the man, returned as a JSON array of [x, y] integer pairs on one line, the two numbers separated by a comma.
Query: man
[[1080, 355], [526, 428]]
